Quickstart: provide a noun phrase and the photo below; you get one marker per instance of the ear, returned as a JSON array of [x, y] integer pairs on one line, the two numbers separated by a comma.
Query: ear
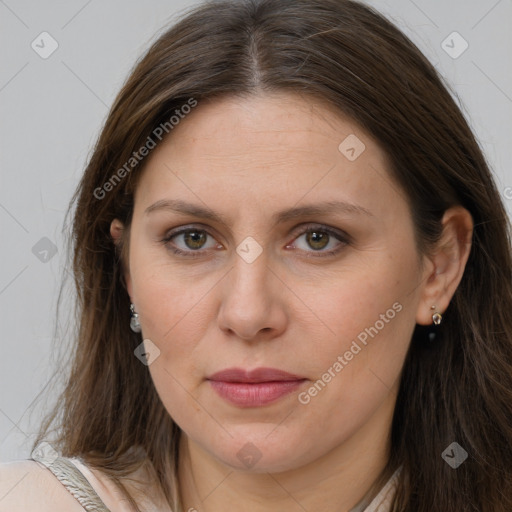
[[446, 264], [116, 232]]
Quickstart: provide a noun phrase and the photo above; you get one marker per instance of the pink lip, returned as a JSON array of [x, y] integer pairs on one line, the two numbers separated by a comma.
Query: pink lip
[[254, 388]]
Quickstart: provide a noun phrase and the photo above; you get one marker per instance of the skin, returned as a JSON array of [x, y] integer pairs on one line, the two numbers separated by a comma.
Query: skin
[[291, 308]]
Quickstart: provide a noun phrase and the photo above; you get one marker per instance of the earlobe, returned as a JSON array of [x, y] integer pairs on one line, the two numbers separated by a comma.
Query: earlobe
[[448, 262]]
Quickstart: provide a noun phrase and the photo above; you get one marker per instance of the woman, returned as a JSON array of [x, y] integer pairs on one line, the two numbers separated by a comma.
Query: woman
[[294, 282]]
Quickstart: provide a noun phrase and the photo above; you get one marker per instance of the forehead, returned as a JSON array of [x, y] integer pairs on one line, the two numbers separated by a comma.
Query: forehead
[[270, 122], [277, 147]]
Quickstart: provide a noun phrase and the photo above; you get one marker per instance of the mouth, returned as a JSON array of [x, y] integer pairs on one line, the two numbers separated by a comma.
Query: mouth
[[254, 388]]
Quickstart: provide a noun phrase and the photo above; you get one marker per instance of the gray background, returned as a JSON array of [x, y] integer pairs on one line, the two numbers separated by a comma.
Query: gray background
[[52, 110]]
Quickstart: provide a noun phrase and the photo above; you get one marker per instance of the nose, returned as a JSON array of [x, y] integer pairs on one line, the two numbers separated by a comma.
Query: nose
[[252, 303]]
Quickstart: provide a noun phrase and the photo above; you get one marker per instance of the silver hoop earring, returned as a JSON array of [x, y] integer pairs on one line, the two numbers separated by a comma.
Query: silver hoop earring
[[134, 320]]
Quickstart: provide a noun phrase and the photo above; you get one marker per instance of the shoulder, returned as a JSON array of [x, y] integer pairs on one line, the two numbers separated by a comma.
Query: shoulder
[[27, 485]]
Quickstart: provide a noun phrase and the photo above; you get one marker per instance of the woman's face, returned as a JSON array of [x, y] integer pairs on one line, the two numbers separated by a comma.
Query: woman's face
[[329, 293]]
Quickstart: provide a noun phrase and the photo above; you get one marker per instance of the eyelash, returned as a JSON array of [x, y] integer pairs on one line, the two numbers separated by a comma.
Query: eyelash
[[340, 236]]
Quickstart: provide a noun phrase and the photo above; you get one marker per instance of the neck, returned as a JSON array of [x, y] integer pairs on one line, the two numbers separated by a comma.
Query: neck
[[351, 473]]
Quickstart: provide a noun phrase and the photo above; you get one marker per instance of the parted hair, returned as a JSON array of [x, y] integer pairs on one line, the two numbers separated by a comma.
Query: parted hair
[[457, 388]]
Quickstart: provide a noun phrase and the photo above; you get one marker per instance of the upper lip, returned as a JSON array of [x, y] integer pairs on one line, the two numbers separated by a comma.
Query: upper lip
[[256, 375]]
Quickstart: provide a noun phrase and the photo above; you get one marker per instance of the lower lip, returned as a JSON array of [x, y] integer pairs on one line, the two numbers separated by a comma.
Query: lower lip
[[255, 394]]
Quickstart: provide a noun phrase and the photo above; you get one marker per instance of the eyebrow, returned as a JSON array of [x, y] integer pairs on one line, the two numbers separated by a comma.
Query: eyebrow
[[179, 206]]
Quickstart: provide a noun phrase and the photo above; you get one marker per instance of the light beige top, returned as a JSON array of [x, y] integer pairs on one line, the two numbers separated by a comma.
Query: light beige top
[[71, 471]]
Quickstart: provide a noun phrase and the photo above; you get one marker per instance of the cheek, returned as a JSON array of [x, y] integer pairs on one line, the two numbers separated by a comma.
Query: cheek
[[355, 378], [173, 314], [354, 372], [366, 319], [164, 293], [361, 297]]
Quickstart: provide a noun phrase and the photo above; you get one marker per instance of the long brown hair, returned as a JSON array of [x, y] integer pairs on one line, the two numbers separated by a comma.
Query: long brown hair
[[457, 388]]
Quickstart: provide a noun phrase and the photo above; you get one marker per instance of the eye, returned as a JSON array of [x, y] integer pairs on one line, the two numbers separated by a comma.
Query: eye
[[319, 238], [192, 241]]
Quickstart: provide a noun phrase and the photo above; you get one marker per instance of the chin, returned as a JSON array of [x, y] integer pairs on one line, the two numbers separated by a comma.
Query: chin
[[260, 455]]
